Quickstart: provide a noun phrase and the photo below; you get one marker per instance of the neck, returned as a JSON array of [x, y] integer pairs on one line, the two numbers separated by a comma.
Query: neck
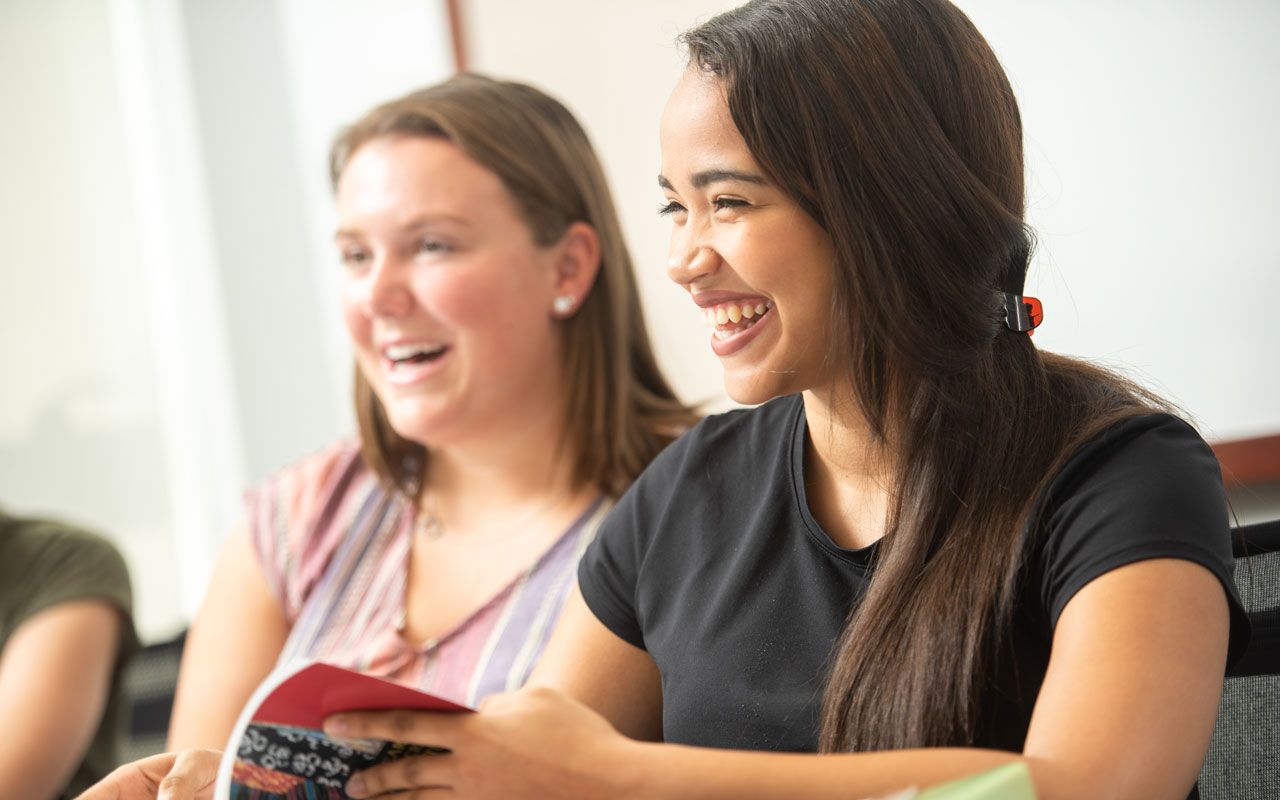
[[849, 473], [507, 471]]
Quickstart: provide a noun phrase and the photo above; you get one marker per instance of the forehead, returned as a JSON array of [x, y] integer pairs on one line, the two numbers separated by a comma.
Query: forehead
[[405, 172], [696, 123]]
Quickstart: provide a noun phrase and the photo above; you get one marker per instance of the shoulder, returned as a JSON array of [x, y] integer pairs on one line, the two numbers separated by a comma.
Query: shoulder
[[1145, 487], [296, 517], [730, 457], [293, 497], [47, 562], [725, 440], [304, 479], [1148, 467], [694, 493], [723, 468], [53, 540]]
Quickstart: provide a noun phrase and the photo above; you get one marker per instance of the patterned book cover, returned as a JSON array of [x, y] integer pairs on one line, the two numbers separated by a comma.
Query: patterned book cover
[[278, 750]]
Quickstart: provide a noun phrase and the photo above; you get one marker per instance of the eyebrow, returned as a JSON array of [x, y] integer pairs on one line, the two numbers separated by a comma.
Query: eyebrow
[[703, 179], [413, 226]]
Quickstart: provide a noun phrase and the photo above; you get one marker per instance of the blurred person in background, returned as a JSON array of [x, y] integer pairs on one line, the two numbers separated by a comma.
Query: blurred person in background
[[66, 632], [506, 395]]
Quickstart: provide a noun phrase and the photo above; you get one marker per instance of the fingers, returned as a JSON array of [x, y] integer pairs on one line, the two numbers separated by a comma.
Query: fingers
[[424, 772], [192, 776], [413, 727], [188, 775], [132, 780]]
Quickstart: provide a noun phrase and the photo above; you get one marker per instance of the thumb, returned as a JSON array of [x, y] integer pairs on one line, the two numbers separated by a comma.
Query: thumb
[[191, 777]]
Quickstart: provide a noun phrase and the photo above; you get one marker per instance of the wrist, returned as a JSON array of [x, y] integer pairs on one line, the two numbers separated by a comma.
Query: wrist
[[628, 772]]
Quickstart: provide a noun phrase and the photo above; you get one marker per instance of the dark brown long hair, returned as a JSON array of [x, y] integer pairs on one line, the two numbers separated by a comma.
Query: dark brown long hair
[[619, 411], [893, 125]]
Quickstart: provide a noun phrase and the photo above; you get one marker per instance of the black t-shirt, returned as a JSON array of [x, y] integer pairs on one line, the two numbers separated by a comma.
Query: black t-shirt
[[713, 564]]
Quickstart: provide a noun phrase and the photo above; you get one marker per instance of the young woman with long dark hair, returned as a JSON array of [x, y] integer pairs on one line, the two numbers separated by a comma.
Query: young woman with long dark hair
[[932, 548]]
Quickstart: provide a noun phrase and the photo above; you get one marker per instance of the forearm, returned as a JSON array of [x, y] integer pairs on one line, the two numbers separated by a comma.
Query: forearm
[[673, 772]]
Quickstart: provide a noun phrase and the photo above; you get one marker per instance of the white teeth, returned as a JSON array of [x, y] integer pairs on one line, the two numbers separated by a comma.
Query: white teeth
[[724, 315], [400, 352]]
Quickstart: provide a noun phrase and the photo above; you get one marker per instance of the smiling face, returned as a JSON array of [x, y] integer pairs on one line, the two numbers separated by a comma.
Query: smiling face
[[759, 268], [445, 294]]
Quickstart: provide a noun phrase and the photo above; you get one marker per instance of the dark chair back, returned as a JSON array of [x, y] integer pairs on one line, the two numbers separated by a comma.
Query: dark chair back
[[1244, 756], [148, 686]]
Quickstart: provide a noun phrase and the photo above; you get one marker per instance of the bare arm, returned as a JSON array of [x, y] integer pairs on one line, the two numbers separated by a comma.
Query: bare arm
[[233, 644], [1126, 710], [588, 662], [55, 677]]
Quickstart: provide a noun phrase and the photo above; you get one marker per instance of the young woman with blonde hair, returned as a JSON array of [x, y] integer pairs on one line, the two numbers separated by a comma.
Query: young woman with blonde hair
[[506, 395]]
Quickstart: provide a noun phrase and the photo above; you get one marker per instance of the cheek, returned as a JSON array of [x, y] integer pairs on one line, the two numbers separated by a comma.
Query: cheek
[[499, 294], [754, 253], [458, 300], [359, 327]]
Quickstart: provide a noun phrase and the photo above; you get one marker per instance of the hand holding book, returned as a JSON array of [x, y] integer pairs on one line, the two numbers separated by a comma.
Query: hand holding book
[[279, 749], [531, 743]]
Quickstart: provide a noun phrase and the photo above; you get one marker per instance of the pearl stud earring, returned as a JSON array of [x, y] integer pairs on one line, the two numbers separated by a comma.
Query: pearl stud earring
[[563, 303]]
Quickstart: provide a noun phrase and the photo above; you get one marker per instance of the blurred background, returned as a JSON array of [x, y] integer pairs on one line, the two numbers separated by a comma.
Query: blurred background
[[168, 293]]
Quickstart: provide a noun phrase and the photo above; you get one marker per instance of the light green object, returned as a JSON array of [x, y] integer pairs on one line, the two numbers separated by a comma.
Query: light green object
[[1010, 782]]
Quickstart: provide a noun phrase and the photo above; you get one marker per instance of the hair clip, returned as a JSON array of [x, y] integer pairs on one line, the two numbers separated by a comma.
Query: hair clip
[[1022, 313]]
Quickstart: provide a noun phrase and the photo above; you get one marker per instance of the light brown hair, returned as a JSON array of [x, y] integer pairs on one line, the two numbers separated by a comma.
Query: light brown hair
[[619, 410], [892, 124]]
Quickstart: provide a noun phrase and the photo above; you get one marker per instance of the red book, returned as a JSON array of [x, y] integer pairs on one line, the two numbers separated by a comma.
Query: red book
[[314, 692], [279, 751]]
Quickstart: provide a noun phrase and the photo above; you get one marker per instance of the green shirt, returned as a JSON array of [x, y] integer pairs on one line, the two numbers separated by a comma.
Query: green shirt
[[44, 563]]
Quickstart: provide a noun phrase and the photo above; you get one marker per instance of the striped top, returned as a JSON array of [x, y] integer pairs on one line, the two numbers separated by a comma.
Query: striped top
[[335, 547]]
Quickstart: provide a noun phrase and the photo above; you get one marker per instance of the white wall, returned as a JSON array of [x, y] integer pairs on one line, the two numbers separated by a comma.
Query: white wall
[[171, 332], [80, 430], [1154, 174]]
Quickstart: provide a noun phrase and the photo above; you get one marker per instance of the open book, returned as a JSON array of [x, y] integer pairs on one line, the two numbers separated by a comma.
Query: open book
[[278, 750]]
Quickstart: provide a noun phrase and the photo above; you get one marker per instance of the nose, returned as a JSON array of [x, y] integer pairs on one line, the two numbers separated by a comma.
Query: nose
[[385, 292], [690, 258]]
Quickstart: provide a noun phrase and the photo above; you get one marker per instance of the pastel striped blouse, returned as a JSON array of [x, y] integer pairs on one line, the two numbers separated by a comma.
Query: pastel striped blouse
[[334, 548]]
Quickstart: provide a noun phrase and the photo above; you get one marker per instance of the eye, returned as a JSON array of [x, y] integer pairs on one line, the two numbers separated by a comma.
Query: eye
[[729, 202], [669, 208], [432, 247], [354, 257]]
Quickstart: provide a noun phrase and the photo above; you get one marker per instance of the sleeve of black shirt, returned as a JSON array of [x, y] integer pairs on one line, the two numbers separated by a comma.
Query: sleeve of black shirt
[[1147, 488], [609, 573]]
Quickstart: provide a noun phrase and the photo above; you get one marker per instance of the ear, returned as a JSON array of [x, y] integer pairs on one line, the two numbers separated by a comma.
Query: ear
[[577, 262]]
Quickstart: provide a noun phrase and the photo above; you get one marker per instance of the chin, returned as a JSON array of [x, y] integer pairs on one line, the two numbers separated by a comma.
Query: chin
[[411, 424], [751, 392]]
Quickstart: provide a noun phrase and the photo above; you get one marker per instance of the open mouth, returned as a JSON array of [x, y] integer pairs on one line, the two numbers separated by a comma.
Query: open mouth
[[732, 319], [409, 356]]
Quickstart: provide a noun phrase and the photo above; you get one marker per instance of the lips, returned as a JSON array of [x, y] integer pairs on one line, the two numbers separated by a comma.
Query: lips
[[410, 362], [736, 324], [399, 353]]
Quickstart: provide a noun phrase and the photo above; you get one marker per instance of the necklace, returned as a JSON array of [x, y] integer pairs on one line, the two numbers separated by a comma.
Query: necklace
[[427, 525]]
